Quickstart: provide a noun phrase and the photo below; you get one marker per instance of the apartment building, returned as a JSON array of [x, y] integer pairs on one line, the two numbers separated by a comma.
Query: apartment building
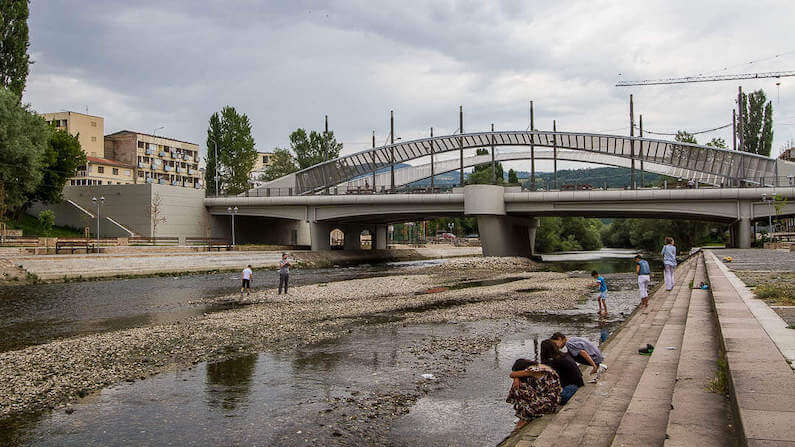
[[156, 159], [101, 171], [263, 160], [89, 129]]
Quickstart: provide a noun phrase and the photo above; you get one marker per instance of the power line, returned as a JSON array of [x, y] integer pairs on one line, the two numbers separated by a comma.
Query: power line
[[712, 78], [691, 133]]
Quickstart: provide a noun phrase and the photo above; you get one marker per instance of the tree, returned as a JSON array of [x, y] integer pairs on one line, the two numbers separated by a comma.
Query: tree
[[757, 123], [481, 174], [61, 160], [46, 221], [282, 163], [513, 178], [315, 148], [155, 212], [717, 142], [684, 136], [236, 153], [14, 58], [24, 139]]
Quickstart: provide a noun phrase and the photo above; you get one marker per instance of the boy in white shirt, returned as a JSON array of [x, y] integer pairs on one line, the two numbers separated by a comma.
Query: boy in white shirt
[[246, 280]]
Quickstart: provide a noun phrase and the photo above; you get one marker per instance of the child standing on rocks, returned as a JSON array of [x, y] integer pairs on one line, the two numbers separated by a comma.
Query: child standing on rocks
[[246, 276], [602, 291]]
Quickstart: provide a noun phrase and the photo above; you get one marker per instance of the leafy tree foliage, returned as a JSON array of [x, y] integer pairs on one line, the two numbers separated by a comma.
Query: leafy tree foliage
[[513, 177], [649, 234], [717, 142], [481, 174], [568, 233], [14, 58], [757, 123], [282, 163], [236, 153], [24, 141], [61, 160], [314, 148], [685, 137], [46, 221]]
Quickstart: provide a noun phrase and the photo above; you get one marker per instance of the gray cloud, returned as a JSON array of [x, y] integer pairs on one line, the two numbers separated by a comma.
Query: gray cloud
[[147, 64]]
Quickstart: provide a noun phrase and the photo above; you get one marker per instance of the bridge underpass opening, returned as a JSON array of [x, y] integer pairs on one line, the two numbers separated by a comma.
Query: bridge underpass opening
[[267, 230]]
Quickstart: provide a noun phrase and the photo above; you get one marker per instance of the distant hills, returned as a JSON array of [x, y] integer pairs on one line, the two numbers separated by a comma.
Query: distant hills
[[598, 177]]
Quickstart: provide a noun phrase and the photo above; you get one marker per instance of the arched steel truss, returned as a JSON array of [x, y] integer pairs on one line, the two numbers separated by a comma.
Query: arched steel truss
[[722, 163]]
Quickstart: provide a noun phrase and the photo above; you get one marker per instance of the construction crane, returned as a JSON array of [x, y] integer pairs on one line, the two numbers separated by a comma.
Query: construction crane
[[715, 78]]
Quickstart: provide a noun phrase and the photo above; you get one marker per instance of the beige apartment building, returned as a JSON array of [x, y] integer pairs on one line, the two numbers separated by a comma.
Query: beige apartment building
[[101, 171], [90, 129], [263, 161], [156, 159]]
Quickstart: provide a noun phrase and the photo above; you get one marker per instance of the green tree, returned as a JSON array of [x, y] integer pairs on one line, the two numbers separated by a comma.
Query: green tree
[[481, 174], [717, 142], [14, 58], [282, 163], [24, 141], [61, 160], [513, 178], [684, 136], [314, 148], [757, 123], [46, 221], [236, 153]]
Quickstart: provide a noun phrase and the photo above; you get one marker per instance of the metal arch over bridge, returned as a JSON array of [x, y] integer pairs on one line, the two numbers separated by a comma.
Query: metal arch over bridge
[[727, 165]]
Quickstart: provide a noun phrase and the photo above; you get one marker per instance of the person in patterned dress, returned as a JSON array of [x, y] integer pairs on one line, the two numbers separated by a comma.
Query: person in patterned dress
[[535, 390]]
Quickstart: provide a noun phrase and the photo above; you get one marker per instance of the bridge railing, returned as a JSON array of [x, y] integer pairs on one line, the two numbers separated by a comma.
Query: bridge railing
[[678, 183]]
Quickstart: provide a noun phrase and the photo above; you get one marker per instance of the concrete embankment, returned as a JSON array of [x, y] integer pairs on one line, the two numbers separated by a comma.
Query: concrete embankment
[[88, 266]]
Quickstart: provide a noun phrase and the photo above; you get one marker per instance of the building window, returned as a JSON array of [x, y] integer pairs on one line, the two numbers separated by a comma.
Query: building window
[[93, 124], [141, 145], [265, 159], [141, 174], [100, 169], [93, 139], [115, 171], [127, 172]]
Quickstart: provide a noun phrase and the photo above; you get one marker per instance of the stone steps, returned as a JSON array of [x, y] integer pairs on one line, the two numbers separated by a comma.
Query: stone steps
[[762, 382], [698, 417], [596, 412], [646, 418]]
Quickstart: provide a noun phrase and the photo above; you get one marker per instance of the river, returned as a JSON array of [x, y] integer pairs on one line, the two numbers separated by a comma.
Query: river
[[305, 396]]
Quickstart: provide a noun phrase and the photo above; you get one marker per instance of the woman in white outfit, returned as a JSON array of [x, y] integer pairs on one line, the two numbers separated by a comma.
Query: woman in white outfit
[[644, 279], [669, 262]]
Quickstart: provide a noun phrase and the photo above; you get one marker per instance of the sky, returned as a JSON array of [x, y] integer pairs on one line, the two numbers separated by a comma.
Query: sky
[[143, 65]]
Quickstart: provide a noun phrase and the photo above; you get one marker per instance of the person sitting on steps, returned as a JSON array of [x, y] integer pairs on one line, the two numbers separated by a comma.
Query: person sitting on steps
[[535, 391], [563, 364], [582, 351]]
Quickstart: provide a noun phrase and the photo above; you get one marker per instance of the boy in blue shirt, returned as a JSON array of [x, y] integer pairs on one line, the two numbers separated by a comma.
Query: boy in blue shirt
[[602, 291]]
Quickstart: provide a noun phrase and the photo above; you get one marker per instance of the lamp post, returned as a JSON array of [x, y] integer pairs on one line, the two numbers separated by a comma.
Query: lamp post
[[769, 201], [232, 212], [99, 202]]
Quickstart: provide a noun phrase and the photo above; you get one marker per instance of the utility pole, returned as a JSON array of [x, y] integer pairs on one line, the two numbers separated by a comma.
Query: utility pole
[[734, 129], [740, 130], [461, 143], [432, 173], [392, 150], [493, 165], [532, 151], [631, 143], [325, 155], [642, 172], [555, 152], [375, 164]]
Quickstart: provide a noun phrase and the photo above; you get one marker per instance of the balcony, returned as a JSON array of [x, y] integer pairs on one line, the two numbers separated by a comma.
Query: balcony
[[186, 157], [180, 169], [168, 168], [141, 165], [161, 153], [163, 181], [150, 180], [175, 183], [154, 166], [198, 186], [191, 171], [148, 151]]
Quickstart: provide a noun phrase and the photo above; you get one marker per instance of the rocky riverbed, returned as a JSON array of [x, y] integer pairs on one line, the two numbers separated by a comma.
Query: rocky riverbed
[[49, 375]]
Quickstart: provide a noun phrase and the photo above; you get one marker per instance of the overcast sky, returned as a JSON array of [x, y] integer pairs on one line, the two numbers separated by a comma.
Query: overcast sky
[[146, 64]]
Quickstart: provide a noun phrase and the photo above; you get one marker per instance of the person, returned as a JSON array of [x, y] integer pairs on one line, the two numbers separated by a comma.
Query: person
[[644, 278], [602, 291], [582, 351], [563, 364], [284, 273], [246, 276], [535, 390], [669, 262]]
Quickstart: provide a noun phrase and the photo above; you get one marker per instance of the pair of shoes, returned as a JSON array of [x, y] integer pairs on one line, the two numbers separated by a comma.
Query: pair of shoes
[[647, 350]]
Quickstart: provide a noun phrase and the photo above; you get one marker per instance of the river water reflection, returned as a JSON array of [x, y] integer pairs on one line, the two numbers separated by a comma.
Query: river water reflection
[[283, 398]]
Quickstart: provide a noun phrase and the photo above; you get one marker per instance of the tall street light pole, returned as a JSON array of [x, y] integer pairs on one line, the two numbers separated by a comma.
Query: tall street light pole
[[769, 201], [99, 202], [232, 212]]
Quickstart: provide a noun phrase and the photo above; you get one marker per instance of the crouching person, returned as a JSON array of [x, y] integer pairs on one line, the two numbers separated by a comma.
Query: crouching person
[[535, 390]]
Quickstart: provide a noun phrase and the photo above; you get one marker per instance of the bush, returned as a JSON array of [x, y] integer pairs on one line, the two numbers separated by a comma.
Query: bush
[[778, 292], [46, 221]]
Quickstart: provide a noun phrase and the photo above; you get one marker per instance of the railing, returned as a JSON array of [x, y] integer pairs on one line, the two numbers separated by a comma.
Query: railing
[[154, 241]]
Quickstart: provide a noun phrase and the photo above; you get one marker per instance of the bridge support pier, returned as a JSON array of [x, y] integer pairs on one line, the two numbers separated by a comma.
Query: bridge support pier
[[500, 234], [353, 237], [320, 235], [531, 232], [741, 233], [379, 237]]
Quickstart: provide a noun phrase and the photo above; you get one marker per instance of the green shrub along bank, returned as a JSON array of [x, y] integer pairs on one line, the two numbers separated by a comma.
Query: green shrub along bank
[[649, 234], [568, 233], [32, 226]]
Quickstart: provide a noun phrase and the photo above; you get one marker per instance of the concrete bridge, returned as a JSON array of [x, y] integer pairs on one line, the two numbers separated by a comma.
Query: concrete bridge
[[507, 216], [356, 192]]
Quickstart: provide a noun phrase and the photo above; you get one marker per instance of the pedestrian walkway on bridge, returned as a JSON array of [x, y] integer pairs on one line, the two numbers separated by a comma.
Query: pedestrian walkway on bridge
[[707, 342]]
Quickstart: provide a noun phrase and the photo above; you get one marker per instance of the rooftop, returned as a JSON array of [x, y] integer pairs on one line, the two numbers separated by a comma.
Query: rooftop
[[69, 111], [148, 135]]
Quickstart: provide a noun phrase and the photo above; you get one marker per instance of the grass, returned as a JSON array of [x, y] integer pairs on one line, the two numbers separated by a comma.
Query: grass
[[720, 384], [776, 293], [30, 227]]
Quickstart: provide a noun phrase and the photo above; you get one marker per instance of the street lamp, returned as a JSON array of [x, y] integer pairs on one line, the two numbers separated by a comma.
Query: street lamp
[[99, 204], [232, 212], [769, 201]]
